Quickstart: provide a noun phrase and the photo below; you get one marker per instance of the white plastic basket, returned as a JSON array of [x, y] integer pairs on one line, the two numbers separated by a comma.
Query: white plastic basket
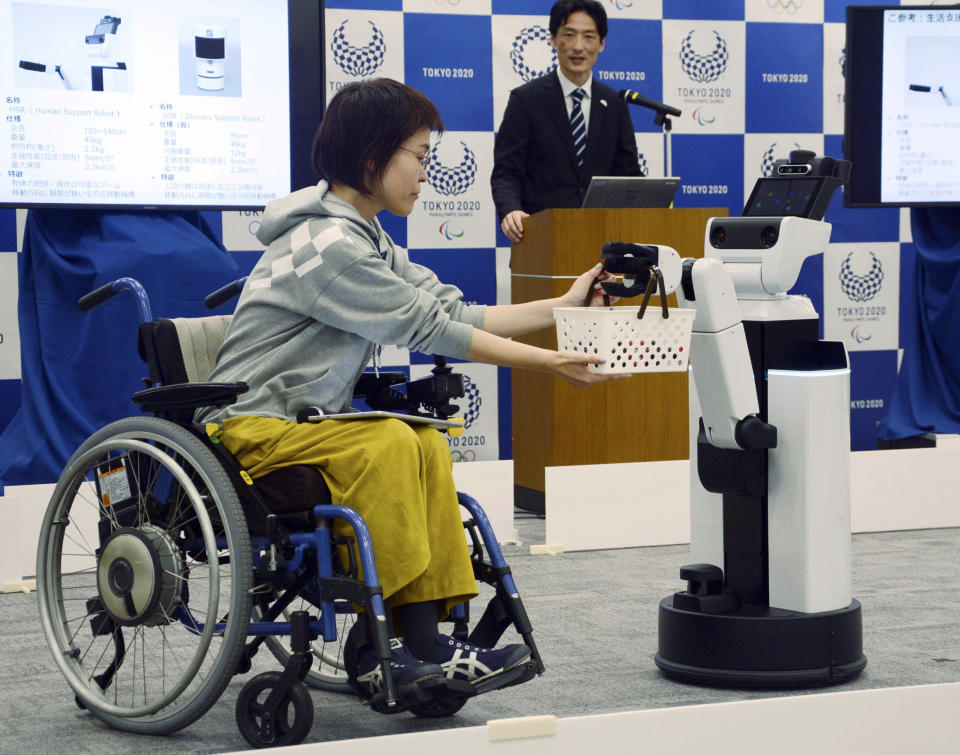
[[652, 344]]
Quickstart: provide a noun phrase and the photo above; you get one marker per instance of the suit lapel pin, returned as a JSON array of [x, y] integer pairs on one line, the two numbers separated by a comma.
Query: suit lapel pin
[[603, 102]]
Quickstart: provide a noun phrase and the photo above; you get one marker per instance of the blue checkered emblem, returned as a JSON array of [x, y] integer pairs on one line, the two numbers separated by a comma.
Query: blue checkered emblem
[[770, 157], [527, 35], [861, 287], [474, 401], [456, 180], [767, 161], [704, 68], [362, 60]]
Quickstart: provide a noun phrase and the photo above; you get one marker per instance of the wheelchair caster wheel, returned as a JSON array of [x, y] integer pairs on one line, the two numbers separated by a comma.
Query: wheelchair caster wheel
[[288, 725], [440, 708]]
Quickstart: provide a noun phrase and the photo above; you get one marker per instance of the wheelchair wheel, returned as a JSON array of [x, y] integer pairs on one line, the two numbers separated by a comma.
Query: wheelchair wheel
[[290, 724], [144, 575], [328, 671]]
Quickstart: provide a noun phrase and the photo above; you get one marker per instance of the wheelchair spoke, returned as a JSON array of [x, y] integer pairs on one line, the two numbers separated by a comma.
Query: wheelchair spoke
[[174, 575], [95, 666], [140, 486], [92, 570], [85, 545], [143, 651]]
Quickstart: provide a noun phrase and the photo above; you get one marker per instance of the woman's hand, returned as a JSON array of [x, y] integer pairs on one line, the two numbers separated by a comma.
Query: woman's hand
[[586, 290], [572, 367]]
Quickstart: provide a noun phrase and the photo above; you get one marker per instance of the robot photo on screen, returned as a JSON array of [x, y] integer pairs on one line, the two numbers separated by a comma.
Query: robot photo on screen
[[96, 71], [210, 56], [210, 44]]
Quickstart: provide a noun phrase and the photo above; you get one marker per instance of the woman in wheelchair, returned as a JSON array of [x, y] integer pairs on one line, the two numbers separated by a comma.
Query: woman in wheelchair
[[330, 290]]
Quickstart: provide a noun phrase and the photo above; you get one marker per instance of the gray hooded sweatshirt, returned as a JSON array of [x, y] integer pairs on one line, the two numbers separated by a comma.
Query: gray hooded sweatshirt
[[330, 288]]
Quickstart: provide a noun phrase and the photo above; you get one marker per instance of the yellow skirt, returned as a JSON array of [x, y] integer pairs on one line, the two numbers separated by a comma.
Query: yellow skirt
[[397, 476]]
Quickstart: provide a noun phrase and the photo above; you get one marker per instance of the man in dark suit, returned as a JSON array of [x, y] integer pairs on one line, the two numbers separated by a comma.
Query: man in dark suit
[[542, 158]]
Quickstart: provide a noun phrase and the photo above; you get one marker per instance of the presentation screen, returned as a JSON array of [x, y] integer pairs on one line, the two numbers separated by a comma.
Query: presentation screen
[[902, 109], [181, 103]]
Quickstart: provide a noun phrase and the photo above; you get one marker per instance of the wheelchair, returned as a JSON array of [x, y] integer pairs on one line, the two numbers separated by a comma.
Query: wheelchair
[[162, 567]]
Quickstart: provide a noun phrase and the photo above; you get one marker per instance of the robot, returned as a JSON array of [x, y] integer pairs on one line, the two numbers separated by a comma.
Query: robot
[[98, 65], [768, 600], [209, 53]]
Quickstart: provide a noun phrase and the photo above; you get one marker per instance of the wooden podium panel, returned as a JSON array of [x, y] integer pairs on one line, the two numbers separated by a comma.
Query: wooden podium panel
[[642, 418]]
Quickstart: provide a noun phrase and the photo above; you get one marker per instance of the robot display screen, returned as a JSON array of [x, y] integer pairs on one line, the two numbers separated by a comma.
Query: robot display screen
[[183, 103], [780, 196]]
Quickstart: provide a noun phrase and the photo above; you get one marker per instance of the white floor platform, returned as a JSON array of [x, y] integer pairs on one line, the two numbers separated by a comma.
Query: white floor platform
[[889, 721]]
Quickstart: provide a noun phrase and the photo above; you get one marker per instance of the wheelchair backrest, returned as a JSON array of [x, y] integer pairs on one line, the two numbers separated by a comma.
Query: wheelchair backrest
[[182, 349]]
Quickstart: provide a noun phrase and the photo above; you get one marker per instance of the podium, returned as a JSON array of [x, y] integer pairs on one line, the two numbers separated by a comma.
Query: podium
[[644, 418]]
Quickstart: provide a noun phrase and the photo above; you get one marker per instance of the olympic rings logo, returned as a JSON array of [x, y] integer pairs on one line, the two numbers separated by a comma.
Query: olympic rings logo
[[467, 455]]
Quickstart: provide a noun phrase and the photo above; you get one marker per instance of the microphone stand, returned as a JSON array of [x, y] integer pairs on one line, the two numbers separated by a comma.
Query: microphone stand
[[662, 119]]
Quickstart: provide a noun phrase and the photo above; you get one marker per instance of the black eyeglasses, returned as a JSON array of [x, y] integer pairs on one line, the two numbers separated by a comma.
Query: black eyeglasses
[[424, 159]]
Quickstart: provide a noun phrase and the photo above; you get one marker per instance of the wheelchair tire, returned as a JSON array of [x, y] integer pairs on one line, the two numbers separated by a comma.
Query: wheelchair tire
[[293, 719], [329, 671], [146, 628]]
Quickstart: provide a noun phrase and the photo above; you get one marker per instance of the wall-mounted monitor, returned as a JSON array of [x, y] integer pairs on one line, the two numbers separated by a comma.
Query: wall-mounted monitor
[[902, 110], [182, 103]]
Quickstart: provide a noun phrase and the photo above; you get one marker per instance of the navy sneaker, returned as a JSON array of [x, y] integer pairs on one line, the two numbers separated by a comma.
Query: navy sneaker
[[469, 663], [403, 666]]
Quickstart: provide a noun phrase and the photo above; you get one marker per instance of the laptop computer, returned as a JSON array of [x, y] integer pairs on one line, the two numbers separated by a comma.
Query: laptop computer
[[612, 192]]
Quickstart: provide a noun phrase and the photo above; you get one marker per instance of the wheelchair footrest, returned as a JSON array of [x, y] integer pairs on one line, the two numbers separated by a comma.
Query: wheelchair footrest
[[509, 678], [441, 689]]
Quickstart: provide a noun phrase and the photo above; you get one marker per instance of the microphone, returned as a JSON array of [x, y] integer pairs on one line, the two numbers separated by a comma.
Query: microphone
[[635, 98]]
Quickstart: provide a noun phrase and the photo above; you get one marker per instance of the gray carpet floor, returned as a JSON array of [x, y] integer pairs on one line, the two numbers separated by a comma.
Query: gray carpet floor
[[595, 621]]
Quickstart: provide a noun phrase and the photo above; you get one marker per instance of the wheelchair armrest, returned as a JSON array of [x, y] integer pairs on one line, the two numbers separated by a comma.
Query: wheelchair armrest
[[166, 398]]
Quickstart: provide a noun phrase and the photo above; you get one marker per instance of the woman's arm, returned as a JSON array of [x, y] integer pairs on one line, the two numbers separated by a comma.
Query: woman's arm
[[569, 365], [517, 319]]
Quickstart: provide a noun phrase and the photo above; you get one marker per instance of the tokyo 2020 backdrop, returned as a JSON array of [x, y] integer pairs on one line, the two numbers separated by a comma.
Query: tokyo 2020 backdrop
[[754, 79]]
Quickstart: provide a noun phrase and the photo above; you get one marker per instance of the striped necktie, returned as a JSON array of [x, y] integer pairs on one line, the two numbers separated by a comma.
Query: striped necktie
[[578, 126]]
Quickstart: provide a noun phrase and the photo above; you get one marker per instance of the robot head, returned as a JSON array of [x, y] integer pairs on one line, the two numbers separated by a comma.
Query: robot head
[[100, 43], [800, 186]]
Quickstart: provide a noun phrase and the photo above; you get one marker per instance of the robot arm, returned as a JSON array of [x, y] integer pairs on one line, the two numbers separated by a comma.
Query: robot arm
[[722, 369], [48, 67]]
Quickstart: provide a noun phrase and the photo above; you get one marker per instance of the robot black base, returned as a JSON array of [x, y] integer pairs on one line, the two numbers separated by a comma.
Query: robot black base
[[760, 647]]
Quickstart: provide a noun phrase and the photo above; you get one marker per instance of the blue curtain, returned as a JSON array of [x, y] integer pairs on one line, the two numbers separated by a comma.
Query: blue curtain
[[79, 369], [926, 398]]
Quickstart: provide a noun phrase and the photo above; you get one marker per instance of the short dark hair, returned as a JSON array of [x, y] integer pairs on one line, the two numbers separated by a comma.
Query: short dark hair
[[364, 125], [563, 9]]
